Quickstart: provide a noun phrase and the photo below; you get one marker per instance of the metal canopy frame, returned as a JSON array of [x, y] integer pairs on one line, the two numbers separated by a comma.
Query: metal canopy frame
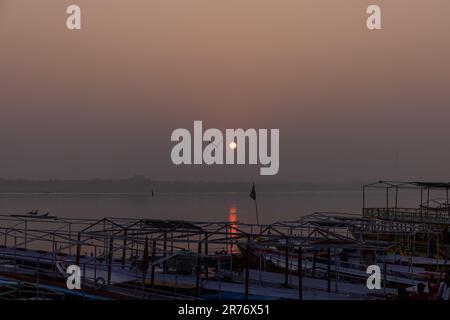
[[423, 213]]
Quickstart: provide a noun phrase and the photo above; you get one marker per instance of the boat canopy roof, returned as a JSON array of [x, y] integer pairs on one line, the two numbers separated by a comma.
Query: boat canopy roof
[[409, 185]]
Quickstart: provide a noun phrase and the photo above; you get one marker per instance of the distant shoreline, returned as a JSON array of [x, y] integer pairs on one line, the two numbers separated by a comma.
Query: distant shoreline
[[188, 193], [144, 186]]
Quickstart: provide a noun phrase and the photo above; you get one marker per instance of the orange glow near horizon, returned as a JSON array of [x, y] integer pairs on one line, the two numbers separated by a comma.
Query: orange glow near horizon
[[232, 218]]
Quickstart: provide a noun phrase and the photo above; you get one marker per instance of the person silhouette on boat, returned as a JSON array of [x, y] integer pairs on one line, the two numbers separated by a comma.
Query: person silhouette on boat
[[420, 294], [444, 288]]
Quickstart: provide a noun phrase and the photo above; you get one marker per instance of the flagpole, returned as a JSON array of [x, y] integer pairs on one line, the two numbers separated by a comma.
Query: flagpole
[[256, 208], [253, 196]]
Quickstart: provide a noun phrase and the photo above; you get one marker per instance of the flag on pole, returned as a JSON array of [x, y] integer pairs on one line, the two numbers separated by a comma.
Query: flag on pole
[[253, 193], [253, 196]]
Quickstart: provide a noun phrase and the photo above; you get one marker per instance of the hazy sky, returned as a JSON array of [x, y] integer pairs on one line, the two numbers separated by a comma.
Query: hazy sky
[[351, 104]]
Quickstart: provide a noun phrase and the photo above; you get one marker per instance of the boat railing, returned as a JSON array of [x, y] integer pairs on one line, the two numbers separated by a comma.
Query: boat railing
[[417, 215]]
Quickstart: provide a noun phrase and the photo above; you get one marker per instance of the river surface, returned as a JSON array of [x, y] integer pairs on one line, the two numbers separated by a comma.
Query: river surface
[[272, 206]]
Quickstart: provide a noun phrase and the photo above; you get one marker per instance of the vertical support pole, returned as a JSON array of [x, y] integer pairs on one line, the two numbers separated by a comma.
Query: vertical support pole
[[70, 238], [110, 258], [421, 198], [437, 245], [165, 253], [6, 238], [387, 198], [336, 270], [328, 270], [219, 278], [206, 255], [124, 249], [37, 277], [384, 273], [26, 232], [198, 269], [300, 274], [144, 266], [105, 240], [226, 239], [231, 260], [396, 197], [286, 264], [78, 249], [314, 264], [95, 262], [84, 280], [448, 203], [153, 265], [176, 273], [364, 199], [247, 271], [15, 252], [54, 249], [260, 266]]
